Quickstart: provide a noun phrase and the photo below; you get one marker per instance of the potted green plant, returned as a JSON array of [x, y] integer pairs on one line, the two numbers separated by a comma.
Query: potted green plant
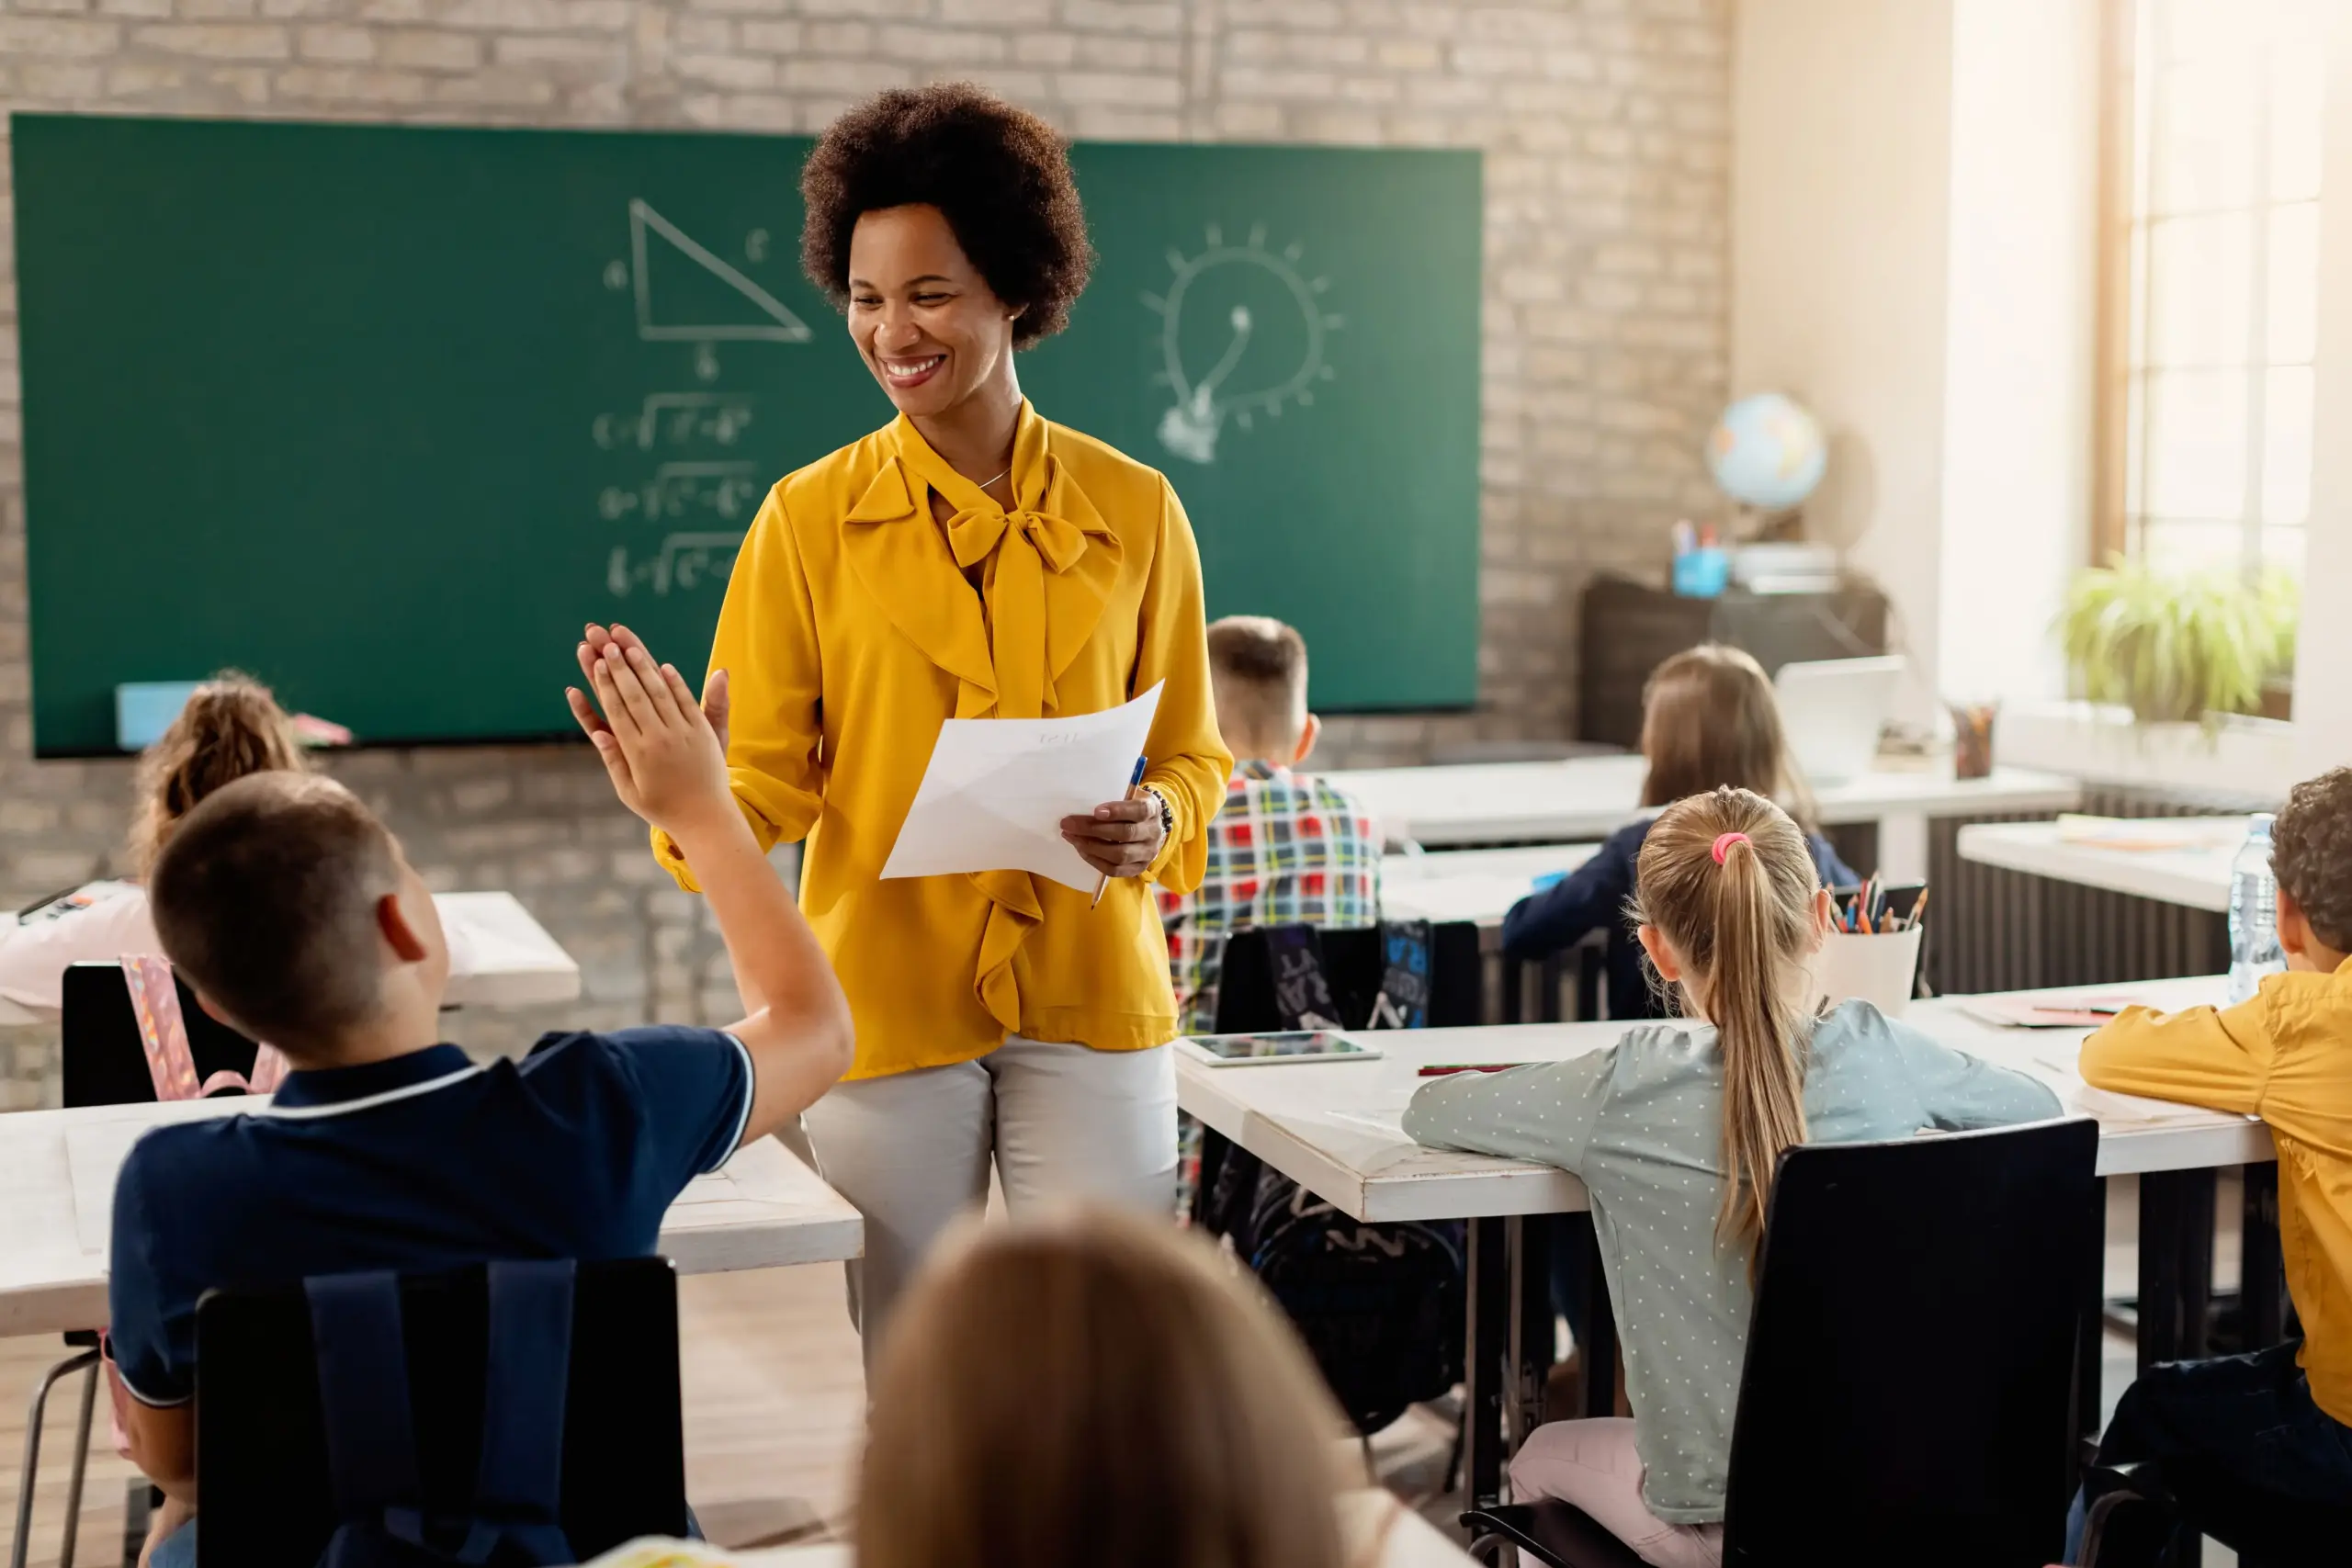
[[2178, 648]]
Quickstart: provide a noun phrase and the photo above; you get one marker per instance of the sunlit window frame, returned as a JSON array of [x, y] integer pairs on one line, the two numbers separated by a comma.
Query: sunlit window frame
[[2122, 257]]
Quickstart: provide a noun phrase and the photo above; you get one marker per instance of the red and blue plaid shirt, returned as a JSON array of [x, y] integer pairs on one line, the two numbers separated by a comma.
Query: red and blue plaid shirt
[[1285, 850]]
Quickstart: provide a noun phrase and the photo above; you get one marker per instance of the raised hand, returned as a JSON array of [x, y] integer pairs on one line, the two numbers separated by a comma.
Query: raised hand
[[715, 704], [665, 760]]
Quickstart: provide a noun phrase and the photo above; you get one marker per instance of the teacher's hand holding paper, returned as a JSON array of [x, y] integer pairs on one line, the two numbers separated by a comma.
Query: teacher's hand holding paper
[[1122, 837], [1021, 793]]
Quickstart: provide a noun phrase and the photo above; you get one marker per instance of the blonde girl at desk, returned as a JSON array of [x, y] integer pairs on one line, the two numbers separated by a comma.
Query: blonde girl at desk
[[1676, 1134]]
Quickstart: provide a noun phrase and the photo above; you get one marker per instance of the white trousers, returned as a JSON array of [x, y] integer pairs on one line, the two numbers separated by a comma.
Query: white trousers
[[911, 1151]]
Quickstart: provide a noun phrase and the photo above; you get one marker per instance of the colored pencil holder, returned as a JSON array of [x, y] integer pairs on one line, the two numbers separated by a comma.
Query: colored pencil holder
[[1879, 967]]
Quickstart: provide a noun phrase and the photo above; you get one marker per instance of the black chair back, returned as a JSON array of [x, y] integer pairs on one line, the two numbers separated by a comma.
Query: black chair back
[[105, 1063], [1353, 964], [260, 1439], [1909, 1387]]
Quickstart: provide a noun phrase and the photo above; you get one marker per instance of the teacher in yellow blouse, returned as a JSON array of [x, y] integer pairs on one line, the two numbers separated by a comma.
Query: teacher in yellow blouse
[[970, 559]]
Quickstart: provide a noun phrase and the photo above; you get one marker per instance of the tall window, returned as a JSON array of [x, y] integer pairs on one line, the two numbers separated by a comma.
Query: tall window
[[2221, 252]]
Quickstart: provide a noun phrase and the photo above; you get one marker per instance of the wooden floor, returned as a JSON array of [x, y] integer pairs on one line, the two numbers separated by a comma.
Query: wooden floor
[[774, 1403]]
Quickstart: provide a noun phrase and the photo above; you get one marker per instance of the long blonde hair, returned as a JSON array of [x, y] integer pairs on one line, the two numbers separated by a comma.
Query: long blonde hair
[[1742, 924], [1709, 719], [1094, 1389], [231, 726]]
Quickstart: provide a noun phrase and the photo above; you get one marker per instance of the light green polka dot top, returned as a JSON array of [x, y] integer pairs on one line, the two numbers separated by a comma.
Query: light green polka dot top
[[1642, 1123]]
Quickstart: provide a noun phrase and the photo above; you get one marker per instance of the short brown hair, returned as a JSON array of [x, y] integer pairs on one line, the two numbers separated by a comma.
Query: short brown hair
[[1095, 1388], [998, 174], [230, 727], [266, 900], [1257, 666], [1710, 721], [2311, 854]]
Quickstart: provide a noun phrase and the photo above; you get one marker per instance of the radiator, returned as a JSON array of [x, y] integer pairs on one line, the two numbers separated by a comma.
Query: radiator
[[2004, 931]]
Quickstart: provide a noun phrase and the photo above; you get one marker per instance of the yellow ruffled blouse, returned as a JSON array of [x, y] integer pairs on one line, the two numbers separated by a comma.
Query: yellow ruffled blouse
[[851, 631]]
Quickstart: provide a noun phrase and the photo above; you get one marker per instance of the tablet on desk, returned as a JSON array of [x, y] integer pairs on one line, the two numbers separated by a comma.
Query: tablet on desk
[[1280, 1046]]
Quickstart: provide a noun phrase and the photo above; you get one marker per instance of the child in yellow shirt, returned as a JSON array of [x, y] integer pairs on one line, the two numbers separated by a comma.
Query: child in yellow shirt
[[2278, 1420]]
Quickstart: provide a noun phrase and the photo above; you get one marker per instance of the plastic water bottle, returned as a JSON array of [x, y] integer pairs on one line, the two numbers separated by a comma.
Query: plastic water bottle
[[2253, 912]]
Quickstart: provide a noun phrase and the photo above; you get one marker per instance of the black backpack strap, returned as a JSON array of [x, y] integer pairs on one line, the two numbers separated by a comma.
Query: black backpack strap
[[355, 1338], [518, 1493]]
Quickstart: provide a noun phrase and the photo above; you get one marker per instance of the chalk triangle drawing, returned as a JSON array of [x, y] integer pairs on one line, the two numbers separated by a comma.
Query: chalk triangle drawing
[[704, 299]]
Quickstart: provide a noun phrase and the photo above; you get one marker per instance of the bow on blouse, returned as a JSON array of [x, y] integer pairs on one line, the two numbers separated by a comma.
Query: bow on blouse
[[1046, 570]]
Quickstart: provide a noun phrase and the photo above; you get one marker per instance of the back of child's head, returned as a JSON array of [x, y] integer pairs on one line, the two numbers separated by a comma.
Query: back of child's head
[[2311, 854], [265, 899], [1710, 721], [1094, 1389], [1258, 668], [1726, 879], [230, 727]]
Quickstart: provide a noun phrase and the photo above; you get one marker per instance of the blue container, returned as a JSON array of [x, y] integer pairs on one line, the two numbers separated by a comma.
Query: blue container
[[1701, 573], [144, 709]]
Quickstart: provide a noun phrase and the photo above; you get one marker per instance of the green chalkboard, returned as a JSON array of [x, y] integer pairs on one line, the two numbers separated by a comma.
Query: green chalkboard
[[384, 414]]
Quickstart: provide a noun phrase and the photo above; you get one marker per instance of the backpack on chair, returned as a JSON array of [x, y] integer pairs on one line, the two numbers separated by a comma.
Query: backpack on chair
[[1380, 1306], [513, 1517]]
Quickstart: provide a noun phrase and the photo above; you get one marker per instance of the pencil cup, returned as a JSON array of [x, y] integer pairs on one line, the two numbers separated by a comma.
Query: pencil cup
[[1878, 967]]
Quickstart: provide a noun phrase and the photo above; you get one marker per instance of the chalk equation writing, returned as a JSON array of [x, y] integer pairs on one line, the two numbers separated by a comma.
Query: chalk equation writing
[[680, 491], [683, 563], [676, 419]]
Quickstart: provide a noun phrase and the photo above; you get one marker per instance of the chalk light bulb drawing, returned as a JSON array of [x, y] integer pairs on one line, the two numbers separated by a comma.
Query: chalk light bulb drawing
[[1243, 333]]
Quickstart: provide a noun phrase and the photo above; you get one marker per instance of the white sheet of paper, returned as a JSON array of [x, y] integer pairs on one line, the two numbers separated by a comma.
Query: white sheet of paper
[[996, 791], [93, 1156]]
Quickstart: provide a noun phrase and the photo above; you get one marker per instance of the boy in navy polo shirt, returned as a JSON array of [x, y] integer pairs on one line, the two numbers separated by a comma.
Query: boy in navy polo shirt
[[294, 915]]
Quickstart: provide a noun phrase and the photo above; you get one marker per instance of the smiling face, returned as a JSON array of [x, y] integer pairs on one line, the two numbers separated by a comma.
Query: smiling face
[[929, 326]]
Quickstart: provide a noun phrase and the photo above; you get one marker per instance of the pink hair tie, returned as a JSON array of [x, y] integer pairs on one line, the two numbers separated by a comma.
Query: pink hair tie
[[1725, 842]]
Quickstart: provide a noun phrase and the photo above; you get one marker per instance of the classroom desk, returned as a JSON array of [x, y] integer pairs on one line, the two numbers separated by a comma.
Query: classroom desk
[[499, 957], [1333, 1128], [1410, 1541], [764, 1209], [1589, 798], [1477, 886], [2196, 874]]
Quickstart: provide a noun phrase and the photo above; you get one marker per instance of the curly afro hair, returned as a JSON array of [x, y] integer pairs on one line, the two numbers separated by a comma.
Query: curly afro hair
[[999, 174], [2310, 853]]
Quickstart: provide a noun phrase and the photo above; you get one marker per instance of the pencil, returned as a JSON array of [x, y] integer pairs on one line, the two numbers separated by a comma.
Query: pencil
[[1135, 783], [1919, 906]]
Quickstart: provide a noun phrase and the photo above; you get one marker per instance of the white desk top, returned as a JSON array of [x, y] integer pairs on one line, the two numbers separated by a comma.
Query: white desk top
[[1333, 1127], [764, 1209], [2197, 873], [1409, 1542], [499, 956], [1479, 886], [1589, 798]]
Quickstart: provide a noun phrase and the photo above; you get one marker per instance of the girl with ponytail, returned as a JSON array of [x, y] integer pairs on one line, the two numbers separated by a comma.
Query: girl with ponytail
[[1675, 1131], [230, 727]]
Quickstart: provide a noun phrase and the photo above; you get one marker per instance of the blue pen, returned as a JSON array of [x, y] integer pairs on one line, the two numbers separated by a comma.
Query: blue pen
[[1135, 783]]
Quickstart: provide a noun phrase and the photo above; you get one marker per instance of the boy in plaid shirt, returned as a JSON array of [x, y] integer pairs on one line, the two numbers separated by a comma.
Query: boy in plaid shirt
[[1287, 849]]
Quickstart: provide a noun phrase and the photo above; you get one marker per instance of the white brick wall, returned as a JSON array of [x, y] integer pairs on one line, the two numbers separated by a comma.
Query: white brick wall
[[1604, 123]]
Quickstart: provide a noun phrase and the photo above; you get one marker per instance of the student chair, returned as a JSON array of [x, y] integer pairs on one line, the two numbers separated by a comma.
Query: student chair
[[1908, 1395], [1353, 963], [2150, 1515], [263, 1438], [105, 1064]]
